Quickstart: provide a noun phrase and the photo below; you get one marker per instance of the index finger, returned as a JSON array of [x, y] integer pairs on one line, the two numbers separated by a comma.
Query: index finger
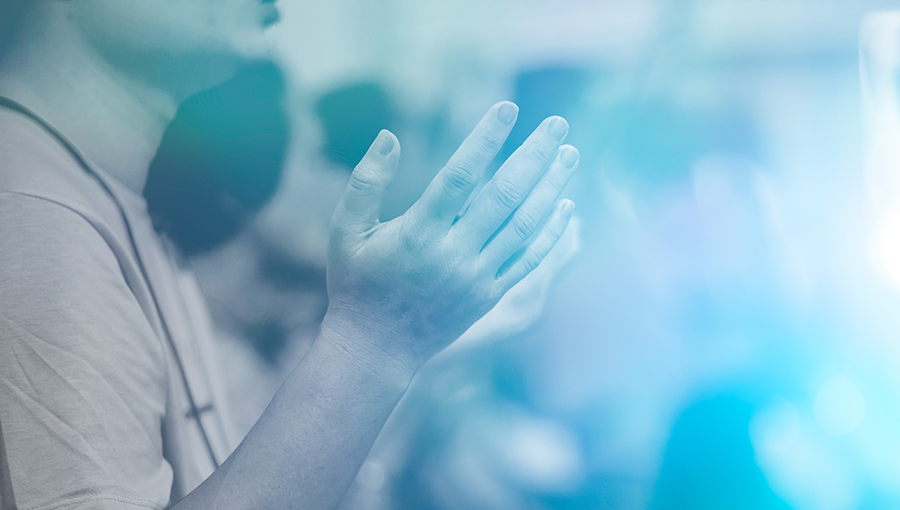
[[512, 183], [442, 200]]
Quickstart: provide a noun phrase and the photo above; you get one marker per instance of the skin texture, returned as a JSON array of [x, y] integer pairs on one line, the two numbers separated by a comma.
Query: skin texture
[[445, 267], [399, 291]]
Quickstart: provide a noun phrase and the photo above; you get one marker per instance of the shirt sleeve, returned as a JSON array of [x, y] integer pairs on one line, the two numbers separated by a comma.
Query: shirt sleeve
[[82, 373]]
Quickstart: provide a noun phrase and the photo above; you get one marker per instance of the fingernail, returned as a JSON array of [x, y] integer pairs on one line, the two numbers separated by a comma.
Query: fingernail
[[566, 207], [568, 157], [563, 207], [384, 143], [558, 128], [507, 113]]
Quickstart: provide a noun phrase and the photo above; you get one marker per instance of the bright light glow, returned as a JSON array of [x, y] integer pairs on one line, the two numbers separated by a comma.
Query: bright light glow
[[801, 467], [839, 406], [774, 431], [542, 454]]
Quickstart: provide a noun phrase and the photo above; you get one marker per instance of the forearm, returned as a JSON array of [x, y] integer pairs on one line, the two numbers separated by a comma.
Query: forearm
[[399, 292], [308, 445]]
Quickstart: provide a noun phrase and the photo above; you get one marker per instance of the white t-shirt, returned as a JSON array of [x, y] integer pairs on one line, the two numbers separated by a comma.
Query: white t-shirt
[[93, 406]]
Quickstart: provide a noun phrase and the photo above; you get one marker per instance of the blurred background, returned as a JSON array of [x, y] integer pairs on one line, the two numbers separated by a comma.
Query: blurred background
[[727, 334]]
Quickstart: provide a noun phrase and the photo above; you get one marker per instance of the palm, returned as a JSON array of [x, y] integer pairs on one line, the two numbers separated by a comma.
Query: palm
[[432, 272]]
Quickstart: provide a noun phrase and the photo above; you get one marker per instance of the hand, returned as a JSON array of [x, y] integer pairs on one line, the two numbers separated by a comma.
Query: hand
[[519, 308], [403, 290]]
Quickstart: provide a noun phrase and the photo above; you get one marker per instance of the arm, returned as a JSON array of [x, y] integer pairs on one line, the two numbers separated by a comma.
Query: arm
[[399, 292]]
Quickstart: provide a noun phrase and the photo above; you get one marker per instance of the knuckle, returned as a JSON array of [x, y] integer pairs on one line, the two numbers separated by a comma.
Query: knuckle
[[555, 184], [553, 233], [531, 260], [413, 242], [488, 145], [507, 195], [365, 178], [524, 224], [459, 178], [540, 152]]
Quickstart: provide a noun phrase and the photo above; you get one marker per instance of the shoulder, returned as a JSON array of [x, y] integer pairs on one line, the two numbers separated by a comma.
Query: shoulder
[[64, 230], [82, 372], [68, 275], [48, 240], [62, 281], [34, 163]]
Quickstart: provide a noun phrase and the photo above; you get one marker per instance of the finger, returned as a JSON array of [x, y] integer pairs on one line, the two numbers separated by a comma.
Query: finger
[[451, 187], [529, 257], [511, 184], [534, 209], [361, 203]]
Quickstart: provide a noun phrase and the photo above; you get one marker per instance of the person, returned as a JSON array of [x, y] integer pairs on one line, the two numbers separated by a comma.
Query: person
[[106, 398], [220, 160]]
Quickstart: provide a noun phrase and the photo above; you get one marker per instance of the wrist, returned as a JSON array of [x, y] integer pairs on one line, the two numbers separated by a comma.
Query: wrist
[[372, 344]]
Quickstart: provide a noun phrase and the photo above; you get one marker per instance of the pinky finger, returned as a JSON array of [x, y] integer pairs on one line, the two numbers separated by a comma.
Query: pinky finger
[[528, 258]]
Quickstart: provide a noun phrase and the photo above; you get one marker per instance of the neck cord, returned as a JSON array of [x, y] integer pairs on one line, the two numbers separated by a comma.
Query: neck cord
[[194, 412]]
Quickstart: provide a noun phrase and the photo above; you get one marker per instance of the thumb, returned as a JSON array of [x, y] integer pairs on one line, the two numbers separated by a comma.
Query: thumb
[[361, 203]]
